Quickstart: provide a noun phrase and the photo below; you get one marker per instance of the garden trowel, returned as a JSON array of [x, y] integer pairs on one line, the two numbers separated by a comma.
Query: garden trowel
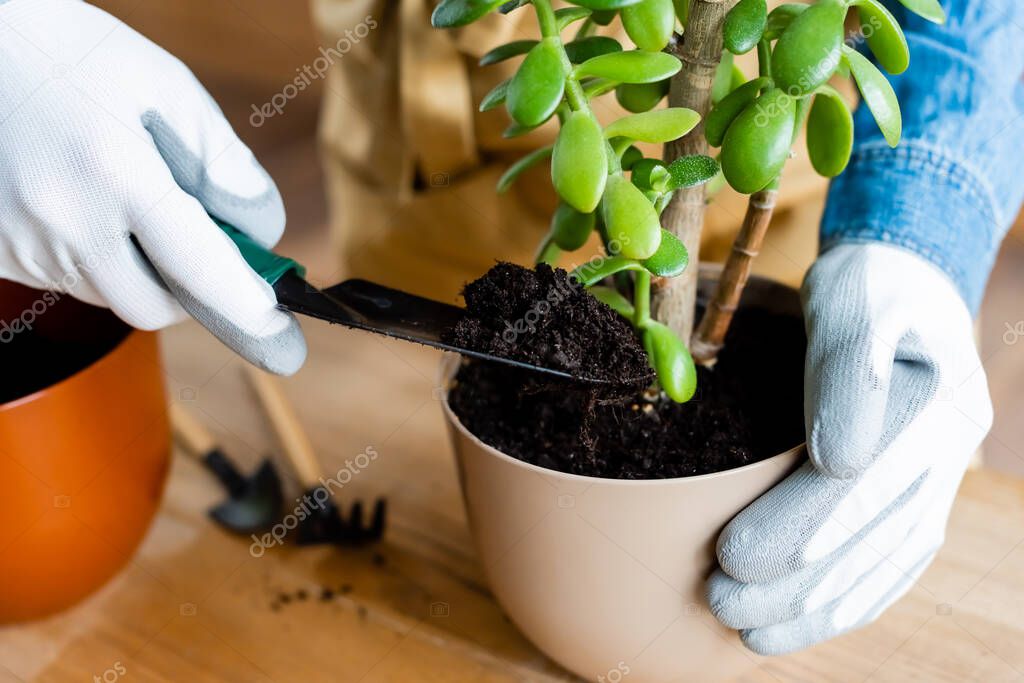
[[367, 306], [254, 501]]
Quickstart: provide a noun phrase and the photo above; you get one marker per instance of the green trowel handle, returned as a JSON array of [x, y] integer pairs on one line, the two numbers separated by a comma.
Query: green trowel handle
[[266, 263]]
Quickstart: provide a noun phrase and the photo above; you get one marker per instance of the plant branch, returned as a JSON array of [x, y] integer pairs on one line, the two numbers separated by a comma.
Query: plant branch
[[586, 28], [764, 59], [714, 325], [575, 100], [710, 334], [546, 18], [574, 93], [700, 51], [642, 299]]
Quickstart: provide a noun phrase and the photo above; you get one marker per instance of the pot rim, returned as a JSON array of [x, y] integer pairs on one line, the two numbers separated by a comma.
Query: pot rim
[[449, 366], [89, 367]]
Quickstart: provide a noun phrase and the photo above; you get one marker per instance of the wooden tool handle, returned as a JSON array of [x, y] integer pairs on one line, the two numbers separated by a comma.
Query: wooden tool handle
[[190, 432], [286, 426]]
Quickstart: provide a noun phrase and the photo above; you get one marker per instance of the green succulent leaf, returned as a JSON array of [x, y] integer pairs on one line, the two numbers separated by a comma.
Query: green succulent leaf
[[603, 5], [507, 51], [548, 253], [843, 71], [583, 49], [671, 258], [516, 130], [611, 297], [884, 36], [744, 25], [682, 11], [571, 229], [496, 96], [829, 132], [650, 174], [630, 157], [690, 171], [671, 361], [725, 112], [808, 51], [536, 88], [780, 18], [597, 269], [716, 184], [512, 5], [659, 125], [595, 87], [567, 15], [737, 77], [878, 95], [640, 97], [579, 163], [630, 220], [649, 23], [928, 9], [803, 105], [722, 84], [603, 17], [453, 13], [522, 165], [757, 143], [634, 66], [651, 195]]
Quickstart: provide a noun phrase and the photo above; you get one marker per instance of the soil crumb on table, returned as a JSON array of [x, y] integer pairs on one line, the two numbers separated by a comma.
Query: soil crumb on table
[[749, 407], [545, 317]]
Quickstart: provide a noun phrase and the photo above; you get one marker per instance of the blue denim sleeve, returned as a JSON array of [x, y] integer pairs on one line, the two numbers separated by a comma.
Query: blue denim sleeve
[[952, 188]]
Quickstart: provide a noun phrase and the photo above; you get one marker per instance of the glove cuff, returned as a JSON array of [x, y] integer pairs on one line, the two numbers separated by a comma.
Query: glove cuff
[[915, 198]]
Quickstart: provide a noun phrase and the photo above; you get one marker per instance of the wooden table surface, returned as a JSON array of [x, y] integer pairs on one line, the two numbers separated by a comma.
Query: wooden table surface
[[196, 605]]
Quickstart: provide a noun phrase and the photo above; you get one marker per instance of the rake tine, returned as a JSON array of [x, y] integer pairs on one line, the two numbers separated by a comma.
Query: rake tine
[[380, 510], [355, 518]]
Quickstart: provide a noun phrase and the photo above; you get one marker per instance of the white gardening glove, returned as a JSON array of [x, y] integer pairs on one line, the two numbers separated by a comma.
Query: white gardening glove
[[111, 156], [896, 403]]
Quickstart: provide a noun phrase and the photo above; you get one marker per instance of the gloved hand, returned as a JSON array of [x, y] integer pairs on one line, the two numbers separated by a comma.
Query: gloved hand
[[896, 403], [111, 156]]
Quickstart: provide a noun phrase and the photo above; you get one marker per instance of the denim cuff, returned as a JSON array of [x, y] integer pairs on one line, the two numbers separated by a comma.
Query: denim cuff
[[917, 198]]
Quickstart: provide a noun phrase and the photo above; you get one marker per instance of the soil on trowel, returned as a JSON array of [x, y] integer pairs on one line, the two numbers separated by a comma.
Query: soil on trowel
[[545, 317], [749, 407]]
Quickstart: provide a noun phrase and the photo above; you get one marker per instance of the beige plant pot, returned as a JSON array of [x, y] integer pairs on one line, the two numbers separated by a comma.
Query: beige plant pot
[[607, 576]]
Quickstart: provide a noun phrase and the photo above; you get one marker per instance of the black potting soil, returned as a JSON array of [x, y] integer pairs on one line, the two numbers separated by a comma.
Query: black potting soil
[[749, 407], [324, 593], [545, 317]]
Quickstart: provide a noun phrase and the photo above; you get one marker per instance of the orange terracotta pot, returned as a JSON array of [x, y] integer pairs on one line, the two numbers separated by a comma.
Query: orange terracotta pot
[[83, 460]]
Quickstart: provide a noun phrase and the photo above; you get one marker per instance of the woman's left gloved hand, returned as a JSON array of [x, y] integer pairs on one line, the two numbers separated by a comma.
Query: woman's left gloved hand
[[896, 400], [896, 403]]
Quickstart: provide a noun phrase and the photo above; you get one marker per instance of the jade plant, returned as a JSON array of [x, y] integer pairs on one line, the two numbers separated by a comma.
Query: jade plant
[[649, 212]]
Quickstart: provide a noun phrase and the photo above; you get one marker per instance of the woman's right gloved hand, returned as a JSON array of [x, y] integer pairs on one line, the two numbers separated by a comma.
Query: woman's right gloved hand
[[112, 158]]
